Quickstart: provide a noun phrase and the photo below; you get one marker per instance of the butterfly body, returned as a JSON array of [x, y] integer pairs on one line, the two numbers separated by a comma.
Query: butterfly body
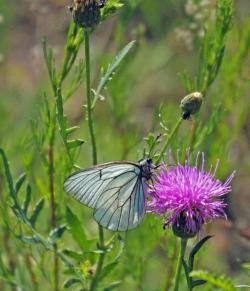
[[116, 191]]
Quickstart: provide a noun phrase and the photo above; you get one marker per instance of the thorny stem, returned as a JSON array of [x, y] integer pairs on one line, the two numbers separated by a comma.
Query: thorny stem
[[53, 203], [169, 139], [94, 155], [179, 264]]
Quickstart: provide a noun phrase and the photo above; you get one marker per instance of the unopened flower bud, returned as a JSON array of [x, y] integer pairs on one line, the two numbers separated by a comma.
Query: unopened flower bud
[[191, 104], [86, 13]]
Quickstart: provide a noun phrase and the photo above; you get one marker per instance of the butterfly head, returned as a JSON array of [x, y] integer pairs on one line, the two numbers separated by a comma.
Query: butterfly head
[[146, 166]]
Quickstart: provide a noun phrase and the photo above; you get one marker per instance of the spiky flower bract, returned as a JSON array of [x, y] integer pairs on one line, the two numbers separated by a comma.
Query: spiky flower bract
[[189, 196]]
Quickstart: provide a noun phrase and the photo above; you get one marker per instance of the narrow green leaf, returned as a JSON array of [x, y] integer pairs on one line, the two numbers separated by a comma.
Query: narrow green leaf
[[110, 8], [8, 175], [20, 182], [74, 255], [186, 268], [29, 239], [76, 229], [187, 272], [195, 250], [217, 281], [106, 270], [112, 286], [70, 282], [38, 208], [110, 70], [50, 63], [74, 143], [246, 266], [27, 199], [196, 283], [57, 233], [71, 129], [109, 267]]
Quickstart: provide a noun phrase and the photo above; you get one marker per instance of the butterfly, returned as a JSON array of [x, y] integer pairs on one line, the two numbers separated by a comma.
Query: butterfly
[[116, 191]]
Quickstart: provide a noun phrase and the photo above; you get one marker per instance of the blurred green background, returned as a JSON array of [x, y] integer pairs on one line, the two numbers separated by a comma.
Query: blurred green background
[[145, 91]]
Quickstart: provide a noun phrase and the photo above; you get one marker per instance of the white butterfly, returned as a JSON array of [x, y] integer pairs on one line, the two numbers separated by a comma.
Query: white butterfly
[[116, 191]]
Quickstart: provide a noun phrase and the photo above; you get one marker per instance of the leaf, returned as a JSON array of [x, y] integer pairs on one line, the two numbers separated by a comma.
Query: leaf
[[74, 255], [106, 270], [110, 8], [110, 70], [50, 63], [77, 230], [71, 129], [217, 281], [112, 286], [57, 233], [76, 81], [20, 182], [196, 283], [196, 249], [70, 282], [246, 266], [27, 199], [186, 268], [109, 267], [29, 239], [38, 208], [8, 175], [74, 143]]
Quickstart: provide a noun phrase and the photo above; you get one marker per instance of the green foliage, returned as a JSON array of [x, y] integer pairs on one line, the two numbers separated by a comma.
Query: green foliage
[[47, 240], [189, 266], [214, 45], [77, 230], [107, 76], [110, 8], [220, 282]]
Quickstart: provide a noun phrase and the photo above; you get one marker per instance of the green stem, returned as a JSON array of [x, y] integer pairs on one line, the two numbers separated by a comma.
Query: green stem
[[100, 263], [192, 137], [171, 135], [52, 200], [179, 264], [88, 93]]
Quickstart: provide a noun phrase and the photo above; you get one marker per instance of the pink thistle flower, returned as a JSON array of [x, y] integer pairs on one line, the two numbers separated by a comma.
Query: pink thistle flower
[[189, 196]]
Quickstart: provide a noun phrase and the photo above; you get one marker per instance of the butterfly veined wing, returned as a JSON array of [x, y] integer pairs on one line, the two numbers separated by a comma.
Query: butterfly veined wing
[[115, 190]]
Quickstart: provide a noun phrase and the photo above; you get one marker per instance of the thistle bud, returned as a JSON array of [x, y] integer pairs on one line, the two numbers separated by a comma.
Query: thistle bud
[[86, 13], [191, 104]]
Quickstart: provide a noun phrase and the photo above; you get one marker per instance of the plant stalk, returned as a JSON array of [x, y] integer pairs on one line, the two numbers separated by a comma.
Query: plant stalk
[[179, 264], [94, 282], [169, 139], [192, 137], [88, 94], [53, 203]]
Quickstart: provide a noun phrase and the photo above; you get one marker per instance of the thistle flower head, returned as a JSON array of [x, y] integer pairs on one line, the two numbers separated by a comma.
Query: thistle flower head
[[86, 13], [189, 196]]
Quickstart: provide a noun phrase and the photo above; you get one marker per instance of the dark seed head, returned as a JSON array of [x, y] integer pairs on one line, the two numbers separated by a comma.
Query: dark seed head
[[86, 13]]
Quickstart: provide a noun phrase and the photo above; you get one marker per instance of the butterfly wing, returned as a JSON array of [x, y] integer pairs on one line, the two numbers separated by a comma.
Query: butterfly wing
[[114, 190]]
